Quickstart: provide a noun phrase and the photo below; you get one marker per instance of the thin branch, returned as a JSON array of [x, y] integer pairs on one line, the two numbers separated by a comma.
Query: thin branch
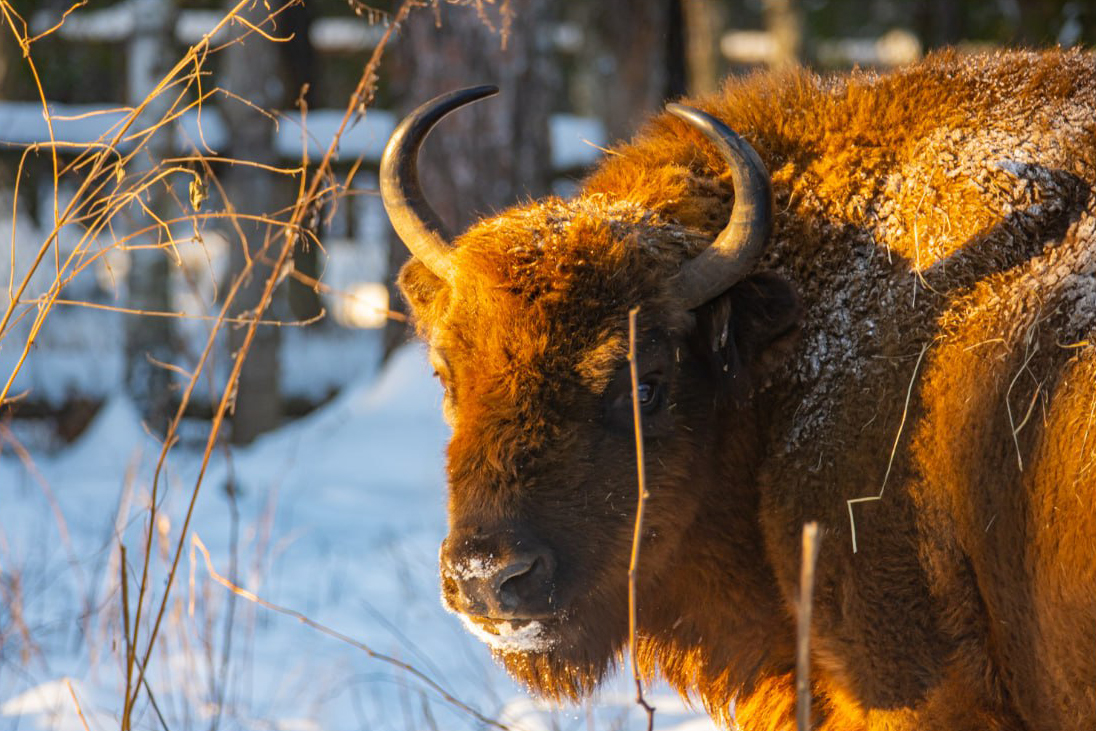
[[57, 25], [811, 539], [304, 619], [131, 651], [894, 449], [367, 78], [186, 315], [637, 535], [76, 702]]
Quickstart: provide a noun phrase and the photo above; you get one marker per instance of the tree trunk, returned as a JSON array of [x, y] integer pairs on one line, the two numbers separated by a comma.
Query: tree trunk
[[636, 60], [149, 339], [250, 70], [299, 70], [785, 22], [940, 22], [489, 155], [703, 29]]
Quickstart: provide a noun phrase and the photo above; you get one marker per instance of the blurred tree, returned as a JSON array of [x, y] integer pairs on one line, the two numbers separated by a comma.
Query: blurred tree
[[487, 156], [9, 58], [703, 21], [1046, 22], [10, 79], [939, 22], [298, 66], [148, 343], [249, 69], [634, 59], [785, 22]]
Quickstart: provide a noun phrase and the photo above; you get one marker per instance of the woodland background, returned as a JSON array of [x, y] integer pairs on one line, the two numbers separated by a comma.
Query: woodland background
[[575, 76]]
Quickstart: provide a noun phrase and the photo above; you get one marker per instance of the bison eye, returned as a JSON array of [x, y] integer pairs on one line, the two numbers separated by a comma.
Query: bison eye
[[651, 393], [650, 396]]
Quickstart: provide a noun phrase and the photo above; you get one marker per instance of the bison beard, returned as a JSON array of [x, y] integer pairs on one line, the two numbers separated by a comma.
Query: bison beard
[[910, 315]]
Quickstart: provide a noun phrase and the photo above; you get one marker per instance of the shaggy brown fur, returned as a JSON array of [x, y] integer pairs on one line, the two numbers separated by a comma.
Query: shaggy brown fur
[[924, 331]]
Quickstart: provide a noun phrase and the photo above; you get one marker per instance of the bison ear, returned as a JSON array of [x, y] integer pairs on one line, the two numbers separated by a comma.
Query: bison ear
[[420, 287], [749, 329]]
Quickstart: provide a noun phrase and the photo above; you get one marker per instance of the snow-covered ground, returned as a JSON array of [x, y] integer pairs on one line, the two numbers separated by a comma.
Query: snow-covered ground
[[337, 516]]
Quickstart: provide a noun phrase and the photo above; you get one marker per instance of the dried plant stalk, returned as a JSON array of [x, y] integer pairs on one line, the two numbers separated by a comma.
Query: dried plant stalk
[[633, 566], [809, 560]]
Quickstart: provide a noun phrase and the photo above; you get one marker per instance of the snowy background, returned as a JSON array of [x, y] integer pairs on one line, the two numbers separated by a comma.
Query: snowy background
[[337, 516]]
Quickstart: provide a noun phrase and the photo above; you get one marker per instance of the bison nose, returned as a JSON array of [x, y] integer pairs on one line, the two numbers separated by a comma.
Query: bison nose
[[519, 587], [522, 582]]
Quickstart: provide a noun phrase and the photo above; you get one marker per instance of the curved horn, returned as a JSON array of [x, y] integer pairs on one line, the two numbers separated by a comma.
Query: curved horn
[[416, 223], [736, 250]]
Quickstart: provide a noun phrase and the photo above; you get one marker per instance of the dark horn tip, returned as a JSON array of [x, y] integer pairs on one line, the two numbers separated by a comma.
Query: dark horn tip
[[409, 133], [693, 116], [416, 223], [738, 247], [480, 91], [701, 121], [718, 132], [440, 106]]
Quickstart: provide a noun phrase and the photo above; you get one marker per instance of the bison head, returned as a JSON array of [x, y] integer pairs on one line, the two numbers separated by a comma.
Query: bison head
[[526, 318]]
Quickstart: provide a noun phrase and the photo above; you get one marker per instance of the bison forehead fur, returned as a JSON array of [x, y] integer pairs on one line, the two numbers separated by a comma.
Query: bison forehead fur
[[920, 330]]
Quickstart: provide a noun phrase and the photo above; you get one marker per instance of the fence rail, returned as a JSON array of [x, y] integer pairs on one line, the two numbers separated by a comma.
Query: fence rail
[[117, 24], [575, 141], [894, 48]]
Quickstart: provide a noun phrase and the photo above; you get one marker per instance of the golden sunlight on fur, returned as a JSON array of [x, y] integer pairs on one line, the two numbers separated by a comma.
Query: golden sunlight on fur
[[921, 329]]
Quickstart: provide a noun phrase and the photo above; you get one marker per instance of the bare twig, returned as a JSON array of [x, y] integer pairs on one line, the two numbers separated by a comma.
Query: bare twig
[[894, 449], [60, 218], [187, 315], [637, 535], [104, 191], [367, 78], [811, 539], [304, 619], [59, 23], [76, 702], [1031, 347], [124, 578]]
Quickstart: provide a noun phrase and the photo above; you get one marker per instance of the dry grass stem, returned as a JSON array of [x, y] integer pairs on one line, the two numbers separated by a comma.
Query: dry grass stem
[[637, 535], [894, 448], [76, 702], [105, 191], [187, 315], [304, 205], [811, 539], [1031, 347], [304, 619], [60, 219]]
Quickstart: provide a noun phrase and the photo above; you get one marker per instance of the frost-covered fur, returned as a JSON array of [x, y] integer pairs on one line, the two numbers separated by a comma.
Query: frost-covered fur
[[938, 228]]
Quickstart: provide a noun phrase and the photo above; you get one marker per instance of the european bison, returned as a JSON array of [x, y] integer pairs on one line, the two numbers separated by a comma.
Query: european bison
[[908, 315]]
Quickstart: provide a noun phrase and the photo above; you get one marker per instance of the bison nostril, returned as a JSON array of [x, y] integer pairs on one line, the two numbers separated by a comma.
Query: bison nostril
[[516, 586], [521, 581]]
